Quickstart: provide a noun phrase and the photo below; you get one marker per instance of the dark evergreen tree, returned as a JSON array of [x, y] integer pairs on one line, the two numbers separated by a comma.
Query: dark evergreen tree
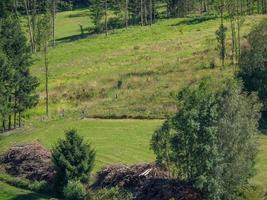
[[73, 159], [14, 46]]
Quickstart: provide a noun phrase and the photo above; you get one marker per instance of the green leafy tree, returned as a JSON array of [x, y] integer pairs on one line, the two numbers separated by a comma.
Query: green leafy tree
[[253, 62], [97, 13], [220, 33], [211, 140], [73, 159], [44, 35]]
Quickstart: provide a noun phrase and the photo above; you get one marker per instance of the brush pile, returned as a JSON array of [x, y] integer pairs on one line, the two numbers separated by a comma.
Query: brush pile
[[31, 161], [146, 181]]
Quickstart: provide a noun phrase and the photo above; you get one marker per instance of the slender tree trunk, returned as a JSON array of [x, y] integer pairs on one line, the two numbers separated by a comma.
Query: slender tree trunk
[[9, 116], [15, 114], [29, 24], [141, 12], [222, 24], [46, 79], [3, 123], [34, 18], [233, 41], [15, 120], [19, 119], [106, 18], [126, 13], [145, 12], [151, 12], [54, 19]]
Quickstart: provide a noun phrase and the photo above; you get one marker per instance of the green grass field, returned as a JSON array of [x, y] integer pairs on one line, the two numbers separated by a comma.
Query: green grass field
[[116, 141]]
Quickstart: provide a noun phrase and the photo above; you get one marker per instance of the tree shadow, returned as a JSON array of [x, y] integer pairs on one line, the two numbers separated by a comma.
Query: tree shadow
[[82, 13], [73, 38], [195, 20], [29, 196], [86, 33]]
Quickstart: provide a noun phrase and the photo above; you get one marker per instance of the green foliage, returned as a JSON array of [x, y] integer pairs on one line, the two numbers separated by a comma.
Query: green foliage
[[160, 143], [97, 12], [17, 93], [75, 190], [36, 186], [44, 28], [212, 140], [253, 62], [221, 36], [112, 194], [73, 159]]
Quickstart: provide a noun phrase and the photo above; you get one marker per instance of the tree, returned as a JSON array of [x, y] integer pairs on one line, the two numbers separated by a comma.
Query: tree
[[23, 85], [54, 11], [45, 32], [212, 139], [220, 33], [5, 85], [253, 62], [160, 144], [97, 12], [73, 159]]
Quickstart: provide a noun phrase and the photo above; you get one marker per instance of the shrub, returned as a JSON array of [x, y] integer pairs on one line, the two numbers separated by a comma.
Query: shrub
[[73, 159], [211, 141], [112, 194], [36, 186], [75, 190]]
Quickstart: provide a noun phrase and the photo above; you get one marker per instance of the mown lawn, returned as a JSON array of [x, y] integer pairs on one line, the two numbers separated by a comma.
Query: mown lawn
[[115, 141], [8, 192]]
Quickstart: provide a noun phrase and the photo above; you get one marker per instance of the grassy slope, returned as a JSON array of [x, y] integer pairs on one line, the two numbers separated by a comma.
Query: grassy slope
[[153, 63], [8, 192]]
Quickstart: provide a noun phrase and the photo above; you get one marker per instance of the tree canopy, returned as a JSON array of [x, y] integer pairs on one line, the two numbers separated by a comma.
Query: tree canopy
[[211, 140]]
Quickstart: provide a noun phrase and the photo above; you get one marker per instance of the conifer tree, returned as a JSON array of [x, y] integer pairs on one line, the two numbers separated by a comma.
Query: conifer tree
[[73, 159], [23, 84]]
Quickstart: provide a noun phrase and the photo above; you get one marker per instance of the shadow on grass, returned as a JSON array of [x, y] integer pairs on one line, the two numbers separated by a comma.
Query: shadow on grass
[[29, 196], [195, 20], [74, 38], [83, 13]]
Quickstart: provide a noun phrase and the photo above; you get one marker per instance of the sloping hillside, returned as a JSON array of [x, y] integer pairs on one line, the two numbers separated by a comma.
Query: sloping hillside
[[133, 72]]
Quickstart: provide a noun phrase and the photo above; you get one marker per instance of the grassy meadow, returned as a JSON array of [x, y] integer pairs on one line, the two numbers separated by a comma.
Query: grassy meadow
[[134, 72]]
